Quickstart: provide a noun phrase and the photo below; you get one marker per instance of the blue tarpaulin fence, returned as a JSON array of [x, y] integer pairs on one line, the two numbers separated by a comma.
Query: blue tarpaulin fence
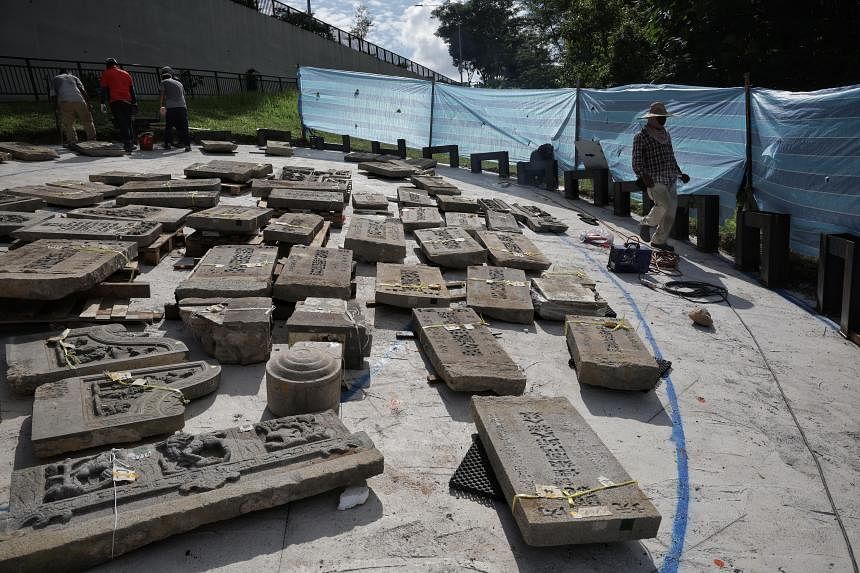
[[806, 154]]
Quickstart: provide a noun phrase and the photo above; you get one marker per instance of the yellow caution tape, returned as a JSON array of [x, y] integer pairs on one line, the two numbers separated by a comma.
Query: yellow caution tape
[[565, 493]]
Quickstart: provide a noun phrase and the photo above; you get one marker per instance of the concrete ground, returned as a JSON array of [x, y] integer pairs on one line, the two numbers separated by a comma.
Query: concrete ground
[[715, 446]]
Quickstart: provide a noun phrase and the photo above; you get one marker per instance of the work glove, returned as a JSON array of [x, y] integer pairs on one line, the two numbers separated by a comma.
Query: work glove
[[104, 108]]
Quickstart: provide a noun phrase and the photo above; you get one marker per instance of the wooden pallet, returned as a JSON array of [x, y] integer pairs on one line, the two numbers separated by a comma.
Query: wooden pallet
[[115, 310], [161, 247], [235, 189]]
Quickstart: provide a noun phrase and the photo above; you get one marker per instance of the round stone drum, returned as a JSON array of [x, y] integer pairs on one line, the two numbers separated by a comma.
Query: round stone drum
[[304, 378]]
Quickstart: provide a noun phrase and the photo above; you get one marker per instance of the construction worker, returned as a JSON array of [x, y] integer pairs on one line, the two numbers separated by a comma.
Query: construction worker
[[654, 163], [117, 88], [174, 109], [71, 103]]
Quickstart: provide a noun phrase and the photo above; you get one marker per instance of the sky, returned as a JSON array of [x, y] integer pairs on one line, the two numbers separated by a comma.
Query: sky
[[398, 25]]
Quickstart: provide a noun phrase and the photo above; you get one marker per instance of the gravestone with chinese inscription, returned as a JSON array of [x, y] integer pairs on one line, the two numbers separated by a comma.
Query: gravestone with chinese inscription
[[450, 247], [501, 221], [230, 219], [563, 484], [59, 196], [28, 152], [234, 171], [13, 220], [193, 200], [50, 269], [361, 157], [457, 204], [264, 187], [315, 271], [11, 202], [231, 330], [293, 228], [62, 515], [210, 146], [279, 148], [537, 219], [412, 197], [114, 407], [513, 250], [306, 199], [499, 292], [231, 271], [410, 286], [558, 293], [332, 320], [106, 190], [370, 201], [35, 359], [98, 149], [170, 219], [141, 233], [122, 177], [607, 352], [171, 185], [471, 222], [465, 353], [435, 186], [420, 218], [394, 169], [376, 240]]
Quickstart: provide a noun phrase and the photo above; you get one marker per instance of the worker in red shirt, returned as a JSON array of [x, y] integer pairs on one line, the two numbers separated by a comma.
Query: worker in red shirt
[[117, 88]]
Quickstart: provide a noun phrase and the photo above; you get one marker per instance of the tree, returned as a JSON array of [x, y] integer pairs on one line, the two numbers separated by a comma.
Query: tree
[[362, 22]]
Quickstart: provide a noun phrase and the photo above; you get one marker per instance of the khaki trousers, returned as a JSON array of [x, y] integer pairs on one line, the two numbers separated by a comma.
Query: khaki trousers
[[662, 214], [71, 109]]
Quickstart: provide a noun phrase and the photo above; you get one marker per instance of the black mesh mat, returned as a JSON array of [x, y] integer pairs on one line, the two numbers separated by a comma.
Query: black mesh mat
[[475, 475]]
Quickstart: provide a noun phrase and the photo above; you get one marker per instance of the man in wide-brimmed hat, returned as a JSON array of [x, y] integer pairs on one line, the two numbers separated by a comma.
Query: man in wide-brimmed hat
[[654, 163]]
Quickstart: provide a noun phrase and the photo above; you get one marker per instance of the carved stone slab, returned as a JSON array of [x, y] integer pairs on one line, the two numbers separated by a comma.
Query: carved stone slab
[[542, 446], [389, 170], [35, 359], [457, 204], [279, 148], [410, 286], [170, 219], [50, 269], [11, 221], [420, 218], [307, 199], [434, 185], [557, 294], [332, 320], [513, 250], [178, 199], [465, 353], [231, 271], [607, 352], [140, 232], [10, 202], [236, 219], [499, 292], [116, 407], [210, 184], [27, 152], [315, 271], [501, 221], [235, 171], [361, 157], [293, 228], [231, 330], [122, 177], [471, 222], [450, 247], [412, 197], [98, 149], [376, 240], [58, 195], [61, 515], [371, 201], [537, 219], [210, 146], [106, 190], [263, 187]]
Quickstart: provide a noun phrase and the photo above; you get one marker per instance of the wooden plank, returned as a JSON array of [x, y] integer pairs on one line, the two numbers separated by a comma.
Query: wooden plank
[[105, 309], [91, 308], [321, 238], [119, 310], [121, 290]]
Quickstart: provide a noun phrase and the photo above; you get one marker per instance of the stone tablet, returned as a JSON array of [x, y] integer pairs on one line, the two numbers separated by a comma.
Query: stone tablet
[[537, 219], [465, 353], [231, 330], [280, 148], [411, 197], [264, 187], [564, 275], [556, 295], [321, 201], [420, 218], [376, 240], [235, 171], [450, 247], [210, 146], [10, 202], [370, 201], [471, 222], [98, 149], [293, 228], [231, 271], [410, 286], [122, 177], [501, 221], [230, 219], [61, 515], [389, 170], [116, 407], [332, 320], [35, 359], [513, 250], [545, 457], [499, 292], [27, 152], [11, 221], [434, 185], [457, 204], [58, 195], [142, 233], [170, 219], [50, 269], [361, 157], [193, 200], [315, 271], [607, 352], [106, 190], [211, 184]]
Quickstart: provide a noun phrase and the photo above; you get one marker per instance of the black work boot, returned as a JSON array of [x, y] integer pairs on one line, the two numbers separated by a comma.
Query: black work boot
[[645, 233]]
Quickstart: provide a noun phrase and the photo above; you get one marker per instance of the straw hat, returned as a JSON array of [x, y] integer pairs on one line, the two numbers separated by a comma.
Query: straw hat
[[657, 109]]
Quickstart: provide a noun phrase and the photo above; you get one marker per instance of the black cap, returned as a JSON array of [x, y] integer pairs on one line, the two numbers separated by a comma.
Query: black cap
[[110, 62]]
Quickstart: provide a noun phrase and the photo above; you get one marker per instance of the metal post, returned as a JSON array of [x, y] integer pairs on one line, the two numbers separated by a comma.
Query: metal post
[[309, 8], [749, 198], [460, 46], [432, 105], [32, 79], [576, 127], [217, 84]]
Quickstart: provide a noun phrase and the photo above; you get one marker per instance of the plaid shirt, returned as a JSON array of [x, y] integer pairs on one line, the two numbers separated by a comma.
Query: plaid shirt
[[654, 158]]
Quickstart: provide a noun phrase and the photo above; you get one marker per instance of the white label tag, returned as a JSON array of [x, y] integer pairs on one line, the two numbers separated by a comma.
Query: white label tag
[[596, 511], [468, 326], [605, 481], [139, 382], [246, 428], [452, 327]]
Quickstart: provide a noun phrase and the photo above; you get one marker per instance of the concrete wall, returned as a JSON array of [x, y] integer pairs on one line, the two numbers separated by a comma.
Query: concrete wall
[[201, 34]]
